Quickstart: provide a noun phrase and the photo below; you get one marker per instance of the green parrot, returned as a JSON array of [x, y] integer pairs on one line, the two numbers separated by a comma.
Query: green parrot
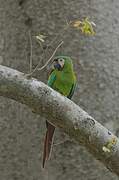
[[62, 79]]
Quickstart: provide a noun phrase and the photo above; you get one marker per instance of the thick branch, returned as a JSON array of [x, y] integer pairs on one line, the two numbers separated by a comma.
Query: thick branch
[[62, 113]]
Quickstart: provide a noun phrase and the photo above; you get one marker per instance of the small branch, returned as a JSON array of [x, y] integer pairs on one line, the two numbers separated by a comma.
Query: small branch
[[31, 51], [39, 69], [59, 34], [62, 142]]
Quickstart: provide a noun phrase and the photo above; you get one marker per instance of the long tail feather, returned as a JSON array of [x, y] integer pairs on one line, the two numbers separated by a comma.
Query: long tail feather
[[48, 142]]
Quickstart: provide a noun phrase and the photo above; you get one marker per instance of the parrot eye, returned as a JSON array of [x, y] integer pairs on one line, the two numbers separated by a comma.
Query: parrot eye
[[61, 60]]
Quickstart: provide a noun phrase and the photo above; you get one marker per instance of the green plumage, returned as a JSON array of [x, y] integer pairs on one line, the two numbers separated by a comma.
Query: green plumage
[[63, 81]]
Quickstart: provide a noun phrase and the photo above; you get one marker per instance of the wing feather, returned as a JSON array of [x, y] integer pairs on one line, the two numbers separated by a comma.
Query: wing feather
[[72, 91]]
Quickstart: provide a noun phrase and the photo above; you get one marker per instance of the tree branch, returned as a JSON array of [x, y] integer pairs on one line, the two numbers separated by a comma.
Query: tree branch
[[63, 113]]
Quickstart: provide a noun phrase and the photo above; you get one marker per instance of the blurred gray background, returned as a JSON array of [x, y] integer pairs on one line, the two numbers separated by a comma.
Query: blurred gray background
[[96, 62]]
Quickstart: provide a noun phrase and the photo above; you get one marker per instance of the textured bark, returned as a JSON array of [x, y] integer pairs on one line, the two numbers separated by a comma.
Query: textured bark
[[62, 113]]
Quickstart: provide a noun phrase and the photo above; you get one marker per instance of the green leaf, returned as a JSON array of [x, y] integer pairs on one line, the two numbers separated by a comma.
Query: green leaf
[[85, 26]]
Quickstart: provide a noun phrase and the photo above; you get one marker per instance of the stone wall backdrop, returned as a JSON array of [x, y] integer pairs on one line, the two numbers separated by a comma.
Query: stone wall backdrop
[[96, 61]]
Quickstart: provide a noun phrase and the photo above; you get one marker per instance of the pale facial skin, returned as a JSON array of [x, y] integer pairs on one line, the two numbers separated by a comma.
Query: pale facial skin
[[61, 62], [58, 63]]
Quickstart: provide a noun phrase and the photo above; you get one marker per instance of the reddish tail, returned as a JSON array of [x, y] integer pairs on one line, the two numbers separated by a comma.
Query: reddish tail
[[48, 142]]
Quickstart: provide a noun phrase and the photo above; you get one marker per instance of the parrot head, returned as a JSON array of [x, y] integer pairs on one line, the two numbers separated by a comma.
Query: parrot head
[[62, 63], [58, 63]]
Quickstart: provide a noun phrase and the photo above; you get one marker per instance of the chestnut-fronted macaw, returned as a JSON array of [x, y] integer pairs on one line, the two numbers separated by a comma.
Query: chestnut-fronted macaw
[[63, 80]]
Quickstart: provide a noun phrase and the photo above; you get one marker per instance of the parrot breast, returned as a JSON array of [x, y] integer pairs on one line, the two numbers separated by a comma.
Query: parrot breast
[[64, 82]]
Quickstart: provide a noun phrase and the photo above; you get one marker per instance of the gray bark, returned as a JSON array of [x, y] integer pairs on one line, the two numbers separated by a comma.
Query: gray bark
[[63, 113]]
